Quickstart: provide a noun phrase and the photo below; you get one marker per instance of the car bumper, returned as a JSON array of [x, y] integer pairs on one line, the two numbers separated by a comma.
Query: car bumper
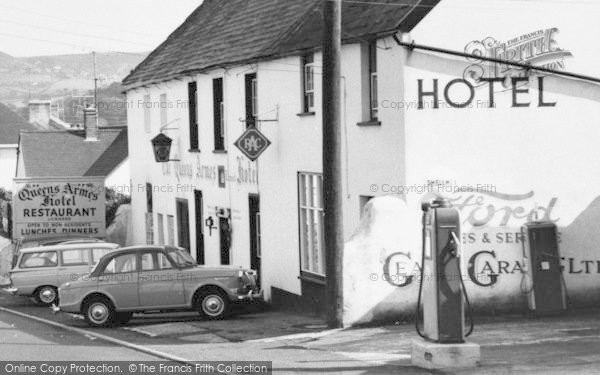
[[12, 290], [252, 295], [73, 308]]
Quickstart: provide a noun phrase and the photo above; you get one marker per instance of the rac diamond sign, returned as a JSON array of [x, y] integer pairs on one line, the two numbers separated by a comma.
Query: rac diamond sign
[[252, 143]]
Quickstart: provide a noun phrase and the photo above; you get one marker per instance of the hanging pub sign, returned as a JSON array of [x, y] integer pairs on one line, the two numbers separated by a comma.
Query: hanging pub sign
[[252, 143], [59, 207]]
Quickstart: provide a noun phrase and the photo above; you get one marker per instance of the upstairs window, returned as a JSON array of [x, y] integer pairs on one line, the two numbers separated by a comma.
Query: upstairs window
[[219, 114], [147, 114], [373, 100], [251, 100], [193, 114], [308, 83]]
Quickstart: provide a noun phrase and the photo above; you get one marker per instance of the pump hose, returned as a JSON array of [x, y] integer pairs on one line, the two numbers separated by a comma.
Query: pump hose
[[418, 312], [462, 283]]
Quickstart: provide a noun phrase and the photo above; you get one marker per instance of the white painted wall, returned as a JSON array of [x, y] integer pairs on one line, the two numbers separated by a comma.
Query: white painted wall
[[194, 170], [8, 165], [532, 157]]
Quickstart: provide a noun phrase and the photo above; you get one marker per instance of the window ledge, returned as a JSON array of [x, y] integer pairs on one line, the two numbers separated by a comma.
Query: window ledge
[[305, 114], [219, 151], [369, 123], [194, 150], [311, 277]]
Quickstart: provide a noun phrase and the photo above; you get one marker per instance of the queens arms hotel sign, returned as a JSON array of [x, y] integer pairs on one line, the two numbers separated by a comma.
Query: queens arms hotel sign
[[46, 208]]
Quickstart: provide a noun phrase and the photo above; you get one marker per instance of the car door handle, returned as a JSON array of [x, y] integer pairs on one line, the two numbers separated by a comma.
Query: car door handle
[[63, 269]]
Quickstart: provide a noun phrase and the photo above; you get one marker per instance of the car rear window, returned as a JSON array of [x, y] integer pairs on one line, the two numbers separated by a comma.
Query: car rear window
[[39, 259], [75, 257]]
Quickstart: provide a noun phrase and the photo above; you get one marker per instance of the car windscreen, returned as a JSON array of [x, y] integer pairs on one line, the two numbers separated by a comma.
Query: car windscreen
[[182, 258]]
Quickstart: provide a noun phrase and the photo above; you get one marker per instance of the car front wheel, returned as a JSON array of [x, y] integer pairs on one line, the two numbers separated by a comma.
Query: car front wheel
[[99, 312], [212, 304]]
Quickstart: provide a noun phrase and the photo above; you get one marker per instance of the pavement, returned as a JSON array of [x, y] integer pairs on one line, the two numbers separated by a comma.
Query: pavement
[[301, 344]]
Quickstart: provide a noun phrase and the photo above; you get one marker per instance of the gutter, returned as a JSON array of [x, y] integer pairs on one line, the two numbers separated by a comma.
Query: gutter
[[412, 46]]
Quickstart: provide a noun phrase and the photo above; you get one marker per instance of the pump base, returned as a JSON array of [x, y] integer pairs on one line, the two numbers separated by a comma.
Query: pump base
[[431, 355]]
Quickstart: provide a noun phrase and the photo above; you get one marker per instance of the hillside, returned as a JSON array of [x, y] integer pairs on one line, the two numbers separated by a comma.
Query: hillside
[[53, 76]]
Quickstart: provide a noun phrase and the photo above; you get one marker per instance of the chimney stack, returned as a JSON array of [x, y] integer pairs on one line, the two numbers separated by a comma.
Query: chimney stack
[[39, 113], [90, 124]]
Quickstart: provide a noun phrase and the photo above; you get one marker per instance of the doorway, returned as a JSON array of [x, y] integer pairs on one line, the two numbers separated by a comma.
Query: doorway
[[183, 224], [199, 204], [255, 254]]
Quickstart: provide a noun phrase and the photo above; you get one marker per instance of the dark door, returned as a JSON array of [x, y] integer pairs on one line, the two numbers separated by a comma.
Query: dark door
[[199, 227], [225, 240], [183, 224], [254, 202]]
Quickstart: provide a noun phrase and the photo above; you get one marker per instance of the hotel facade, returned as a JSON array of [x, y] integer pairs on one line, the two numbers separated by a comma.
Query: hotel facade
[[421, 114]]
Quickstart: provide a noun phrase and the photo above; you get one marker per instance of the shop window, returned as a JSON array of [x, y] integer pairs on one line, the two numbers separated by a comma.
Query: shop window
[[310, 209], [147, 114], [193, 115], [251, 100], [219, 114], [308, 83]]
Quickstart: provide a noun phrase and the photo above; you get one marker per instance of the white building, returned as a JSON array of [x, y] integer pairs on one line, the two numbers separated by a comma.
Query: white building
[[409, 123]]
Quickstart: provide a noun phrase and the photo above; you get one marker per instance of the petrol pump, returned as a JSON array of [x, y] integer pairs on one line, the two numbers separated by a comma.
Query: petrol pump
[[442, 290], [546, 292]]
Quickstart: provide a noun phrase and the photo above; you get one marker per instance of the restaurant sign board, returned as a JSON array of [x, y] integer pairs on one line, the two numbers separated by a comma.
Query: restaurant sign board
[[59, 207]]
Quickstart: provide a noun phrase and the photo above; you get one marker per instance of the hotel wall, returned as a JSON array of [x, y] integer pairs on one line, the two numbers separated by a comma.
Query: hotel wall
[[195, 170]]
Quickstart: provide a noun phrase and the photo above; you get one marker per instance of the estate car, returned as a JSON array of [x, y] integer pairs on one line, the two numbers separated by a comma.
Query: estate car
[[155, 278], [39, 271]]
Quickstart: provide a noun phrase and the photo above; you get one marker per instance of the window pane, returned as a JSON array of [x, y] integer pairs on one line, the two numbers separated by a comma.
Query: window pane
[[121, 264], [311, 222], [161, 230], [171, 230], [98, 253], [163, 262], [76, 257], [42, 259], [147, 262]]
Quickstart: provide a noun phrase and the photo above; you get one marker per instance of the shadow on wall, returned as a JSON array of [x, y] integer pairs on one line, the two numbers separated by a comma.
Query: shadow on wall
[[120, 231], [386, 237]]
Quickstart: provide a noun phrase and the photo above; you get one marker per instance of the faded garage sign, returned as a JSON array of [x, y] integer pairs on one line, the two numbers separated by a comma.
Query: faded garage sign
[[46, 208]]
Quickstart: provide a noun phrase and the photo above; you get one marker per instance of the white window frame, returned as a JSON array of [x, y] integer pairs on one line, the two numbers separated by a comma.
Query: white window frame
[[310, 214], [254, 97], [308, 84], [171, 230], [149, 228], [161, 229], [373, 84]]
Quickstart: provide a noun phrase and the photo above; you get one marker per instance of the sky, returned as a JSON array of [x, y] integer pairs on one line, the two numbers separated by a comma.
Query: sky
[[42, 27]]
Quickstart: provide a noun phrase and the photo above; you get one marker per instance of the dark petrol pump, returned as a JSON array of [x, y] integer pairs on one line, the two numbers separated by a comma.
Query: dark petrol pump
[[546, 292], [442, 289]]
